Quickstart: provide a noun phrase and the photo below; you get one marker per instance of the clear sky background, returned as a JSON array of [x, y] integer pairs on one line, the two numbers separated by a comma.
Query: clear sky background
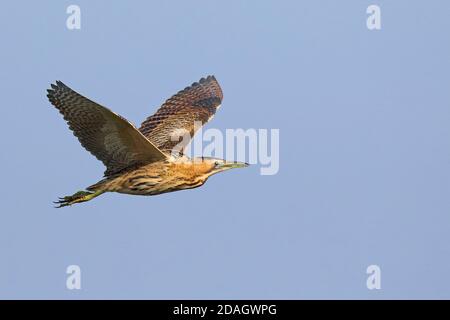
[[364, 119]]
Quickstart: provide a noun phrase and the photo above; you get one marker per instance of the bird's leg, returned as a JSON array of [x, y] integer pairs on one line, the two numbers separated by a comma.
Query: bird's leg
[[80, 196]]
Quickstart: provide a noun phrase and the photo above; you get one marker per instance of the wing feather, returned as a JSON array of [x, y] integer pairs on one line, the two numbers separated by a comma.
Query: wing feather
[[179, 114], [109, 137]]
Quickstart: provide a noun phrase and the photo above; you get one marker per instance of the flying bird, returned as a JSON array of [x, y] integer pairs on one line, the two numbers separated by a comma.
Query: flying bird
[[149, 160]]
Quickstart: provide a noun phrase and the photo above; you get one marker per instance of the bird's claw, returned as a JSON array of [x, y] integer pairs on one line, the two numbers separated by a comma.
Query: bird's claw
[[80, 196], [62, 202]]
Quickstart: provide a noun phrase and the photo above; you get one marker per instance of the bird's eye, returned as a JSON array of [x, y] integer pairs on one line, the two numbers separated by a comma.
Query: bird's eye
[[216, 163]]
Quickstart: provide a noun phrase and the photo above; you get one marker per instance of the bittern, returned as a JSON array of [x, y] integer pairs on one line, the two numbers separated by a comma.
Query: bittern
[[143, 161]]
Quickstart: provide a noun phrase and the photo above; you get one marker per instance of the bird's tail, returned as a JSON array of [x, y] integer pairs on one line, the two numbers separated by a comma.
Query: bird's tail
[[101, 185], [80, 196]]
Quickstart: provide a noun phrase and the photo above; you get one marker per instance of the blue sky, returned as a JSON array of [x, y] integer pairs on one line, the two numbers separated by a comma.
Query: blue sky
[[364, 150]]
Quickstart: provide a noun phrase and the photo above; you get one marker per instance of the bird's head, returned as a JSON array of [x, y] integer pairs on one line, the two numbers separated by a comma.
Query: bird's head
[[215, 165]]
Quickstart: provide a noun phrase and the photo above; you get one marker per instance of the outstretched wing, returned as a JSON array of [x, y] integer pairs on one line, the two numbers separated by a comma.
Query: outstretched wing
[[176, 120], [109, 137]]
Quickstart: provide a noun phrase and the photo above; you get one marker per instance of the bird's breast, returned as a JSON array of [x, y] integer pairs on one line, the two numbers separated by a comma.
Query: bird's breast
[[157, 179]]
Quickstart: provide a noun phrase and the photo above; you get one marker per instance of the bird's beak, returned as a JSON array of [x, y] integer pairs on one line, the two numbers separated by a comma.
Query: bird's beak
[[233, 165]]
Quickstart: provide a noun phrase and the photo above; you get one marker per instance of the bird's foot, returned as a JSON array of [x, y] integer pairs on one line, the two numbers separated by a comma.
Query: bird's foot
[[80, 196]]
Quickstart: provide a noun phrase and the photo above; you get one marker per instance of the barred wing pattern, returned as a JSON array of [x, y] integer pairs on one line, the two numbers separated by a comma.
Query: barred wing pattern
[[109, 137], [176, 117]]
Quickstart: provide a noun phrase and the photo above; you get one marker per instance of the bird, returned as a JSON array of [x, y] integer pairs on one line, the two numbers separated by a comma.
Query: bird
[[146, 161]]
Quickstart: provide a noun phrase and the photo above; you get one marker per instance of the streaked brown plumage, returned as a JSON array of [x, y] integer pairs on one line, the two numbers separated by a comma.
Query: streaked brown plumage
[[142, 162], [198, 102]]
